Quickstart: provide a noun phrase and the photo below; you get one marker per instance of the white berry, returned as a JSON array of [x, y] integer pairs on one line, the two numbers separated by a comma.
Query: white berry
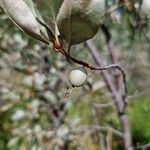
[[78, 77]]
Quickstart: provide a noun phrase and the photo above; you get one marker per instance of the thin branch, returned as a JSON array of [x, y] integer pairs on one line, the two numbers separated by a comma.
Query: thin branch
[[137, 95], [109, 139], [112, 52], [93, 128], [99, 105], [144, 147]]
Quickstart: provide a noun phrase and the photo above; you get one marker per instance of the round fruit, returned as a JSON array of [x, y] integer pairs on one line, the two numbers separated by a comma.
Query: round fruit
[[78, 77]]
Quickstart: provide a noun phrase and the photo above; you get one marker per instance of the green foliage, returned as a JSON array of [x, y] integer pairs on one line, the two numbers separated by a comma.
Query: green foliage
[[73, 21], [139, 115]]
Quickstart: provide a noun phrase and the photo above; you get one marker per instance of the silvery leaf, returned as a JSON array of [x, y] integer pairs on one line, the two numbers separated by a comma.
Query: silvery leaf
[[22, 16], [79, 20], [48, 10]]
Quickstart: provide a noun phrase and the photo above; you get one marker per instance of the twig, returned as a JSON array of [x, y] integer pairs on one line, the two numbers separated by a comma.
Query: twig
[[99, 105], [109, 140], [112, 52], [93, 128], [144, 147], [137, 95]]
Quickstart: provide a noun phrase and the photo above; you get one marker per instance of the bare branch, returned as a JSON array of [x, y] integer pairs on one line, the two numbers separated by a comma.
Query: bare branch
[[112, 52], [118, 99], [99, 105], [144, 147], [94, 128], [137, 95]]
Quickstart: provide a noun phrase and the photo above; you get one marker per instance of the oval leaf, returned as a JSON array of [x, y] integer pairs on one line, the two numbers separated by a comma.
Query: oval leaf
[[79, 20], [23, 17]]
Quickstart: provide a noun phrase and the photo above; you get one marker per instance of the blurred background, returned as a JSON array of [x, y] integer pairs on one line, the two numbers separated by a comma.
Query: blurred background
[[35, 78]]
